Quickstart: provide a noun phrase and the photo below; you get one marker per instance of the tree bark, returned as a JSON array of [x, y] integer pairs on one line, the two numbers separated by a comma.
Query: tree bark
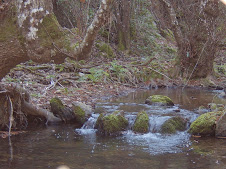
[[30, 30], [195, 25], [123, 12]]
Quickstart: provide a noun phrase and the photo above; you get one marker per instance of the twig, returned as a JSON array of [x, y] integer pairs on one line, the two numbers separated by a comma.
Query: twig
[[11, 114]]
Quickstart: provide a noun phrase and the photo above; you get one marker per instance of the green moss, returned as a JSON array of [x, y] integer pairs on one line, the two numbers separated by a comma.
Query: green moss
[[99, 122], [205, 124], [159, 100], [105, 48], [141, 124], [49, 31], [111, 124], [80, 114], [56, 102], [173, 124]]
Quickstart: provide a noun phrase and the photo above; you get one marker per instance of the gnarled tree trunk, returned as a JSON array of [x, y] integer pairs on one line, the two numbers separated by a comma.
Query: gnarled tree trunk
[[198, 27], [30, 30]]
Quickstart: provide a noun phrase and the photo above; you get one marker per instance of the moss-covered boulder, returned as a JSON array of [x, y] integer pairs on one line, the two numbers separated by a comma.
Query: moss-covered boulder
[[111, 124], [205, 124], [80, 115], [173, 124], [159, 100], [61, 111], [141, 124]]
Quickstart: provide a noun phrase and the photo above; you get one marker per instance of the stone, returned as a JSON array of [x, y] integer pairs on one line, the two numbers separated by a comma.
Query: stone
[[141, 124], [87, 108], [221, 126], [205, 124], [111, 124], [159, 100], [173, 124]]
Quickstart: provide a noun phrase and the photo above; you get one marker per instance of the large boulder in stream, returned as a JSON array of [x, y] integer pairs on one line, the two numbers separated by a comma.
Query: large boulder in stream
[[141, 124], [159, 100], [173, 124], [111, 124], [205, 125]]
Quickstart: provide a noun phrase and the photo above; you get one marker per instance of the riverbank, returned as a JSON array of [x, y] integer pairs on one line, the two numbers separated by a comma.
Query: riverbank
[[90, 82]]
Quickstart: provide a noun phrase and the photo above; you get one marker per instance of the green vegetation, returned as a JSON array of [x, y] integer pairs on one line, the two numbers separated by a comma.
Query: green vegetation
[[173, 124], [141, 124]]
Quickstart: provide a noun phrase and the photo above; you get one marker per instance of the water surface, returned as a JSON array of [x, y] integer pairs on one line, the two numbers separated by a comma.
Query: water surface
[[51, 146]]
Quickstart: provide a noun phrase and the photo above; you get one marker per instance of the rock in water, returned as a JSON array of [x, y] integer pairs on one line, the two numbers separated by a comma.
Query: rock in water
[[205, 124], [159, 100], [111, 124], [141, 124], [173, 124]]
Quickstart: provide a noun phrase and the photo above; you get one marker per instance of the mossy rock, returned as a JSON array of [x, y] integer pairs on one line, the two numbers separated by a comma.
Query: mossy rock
[[159, 100], [111, 124], [56, 105], [61, 111], [79, 114], [173, 124], [141, 124], [205, 124]]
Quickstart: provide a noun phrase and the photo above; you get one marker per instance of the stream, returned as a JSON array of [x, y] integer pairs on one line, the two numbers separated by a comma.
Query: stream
[[55, 145]]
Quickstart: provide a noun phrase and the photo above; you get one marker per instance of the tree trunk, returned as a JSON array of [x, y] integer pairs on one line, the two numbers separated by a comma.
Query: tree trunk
[[195, 25], [30, 30], [123, 12]]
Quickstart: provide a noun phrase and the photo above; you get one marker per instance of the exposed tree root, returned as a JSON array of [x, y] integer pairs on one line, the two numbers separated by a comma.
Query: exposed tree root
[[15, 106]]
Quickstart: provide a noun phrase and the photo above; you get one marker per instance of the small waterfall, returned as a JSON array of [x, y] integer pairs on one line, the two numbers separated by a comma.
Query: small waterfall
[[155, 123], [88, 127]]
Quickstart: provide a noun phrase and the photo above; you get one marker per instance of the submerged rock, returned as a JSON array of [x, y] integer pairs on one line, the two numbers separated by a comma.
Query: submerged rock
[[173, 124], [111, 124], [159, 100], [141, 124], [221, 126], [205, 124]]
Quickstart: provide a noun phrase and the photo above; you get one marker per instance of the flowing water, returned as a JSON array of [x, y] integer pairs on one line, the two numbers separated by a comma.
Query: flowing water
[[52, 146]]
